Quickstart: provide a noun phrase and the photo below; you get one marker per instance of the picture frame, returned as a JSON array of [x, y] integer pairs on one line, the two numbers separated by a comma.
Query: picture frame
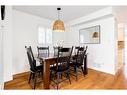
[[90, 35]]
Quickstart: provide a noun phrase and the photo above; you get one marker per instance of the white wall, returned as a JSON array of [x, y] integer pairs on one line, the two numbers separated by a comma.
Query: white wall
[[101, 56], [7, 44], [59, 37], [25, 32], [1, 54]]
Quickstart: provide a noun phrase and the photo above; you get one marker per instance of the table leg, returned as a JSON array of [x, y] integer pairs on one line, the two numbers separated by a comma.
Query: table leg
[[46, 75], [85, 65]]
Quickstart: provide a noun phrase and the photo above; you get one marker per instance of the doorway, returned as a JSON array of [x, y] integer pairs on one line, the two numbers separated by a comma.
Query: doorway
[[121, 45]]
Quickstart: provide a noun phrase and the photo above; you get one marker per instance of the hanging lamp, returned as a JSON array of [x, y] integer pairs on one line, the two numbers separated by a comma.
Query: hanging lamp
[[58, 25]]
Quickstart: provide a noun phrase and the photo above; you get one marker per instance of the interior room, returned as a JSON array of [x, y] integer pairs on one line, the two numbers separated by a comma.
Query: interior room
[[94, 36]]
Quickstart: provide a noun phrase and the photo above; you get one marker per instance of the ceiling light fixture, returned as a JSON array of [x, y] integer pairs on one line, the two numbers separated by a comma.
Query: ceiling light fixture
[[58, 25]]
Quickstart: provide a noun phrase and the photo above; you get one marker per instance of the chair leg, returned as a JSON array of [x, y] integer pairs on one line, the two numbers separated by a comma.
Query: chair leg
[[57, 86], [83, 71], [35, 80], [68, 76], [76, 72], [61, 75], [39, 75], [30, 77], [58, 77], [42, 74]]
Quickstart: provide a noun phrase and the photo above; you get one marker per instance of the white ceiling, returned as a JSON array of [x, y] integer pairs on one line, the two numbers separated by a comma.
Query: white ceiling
[[67, 13]]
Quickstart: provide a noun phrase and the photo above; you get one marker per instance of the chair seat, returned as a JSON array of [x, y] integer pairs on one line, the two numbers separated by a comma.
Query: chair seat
[[38, 68], [74, 63], [61, 68]]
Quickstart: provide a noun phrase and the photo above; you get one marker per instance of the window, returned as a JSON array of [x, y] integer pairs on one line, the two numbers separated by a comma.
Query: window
[[44, 35], [48, 35]]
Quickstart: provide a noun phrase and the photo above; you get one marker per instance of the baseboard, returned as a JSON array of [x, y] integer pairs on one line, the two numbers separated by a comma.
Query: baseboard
[[17, 75], [20, 74]]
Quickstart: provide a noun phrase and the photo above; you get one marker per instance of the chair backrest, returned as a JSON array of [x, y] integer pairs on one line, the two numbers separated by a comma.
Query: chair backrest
[[76, 49], [32, 61], [86, 49], [64, 55], [31, 52], [79, 50], [56, 49], [42, 50], [80, 55]]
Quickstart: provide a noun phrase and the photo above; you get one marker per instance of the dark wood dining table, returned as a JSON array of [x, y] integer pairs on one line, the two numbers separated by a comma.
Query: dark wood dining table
[[48, 60]]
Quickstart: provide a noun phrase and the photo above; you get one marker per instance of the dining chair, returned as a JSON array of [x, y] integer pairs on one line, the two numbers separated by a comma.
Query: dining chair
[[78, 62], [76, 49], [43, 50], [86, 48], [62, 66], [34, 70]]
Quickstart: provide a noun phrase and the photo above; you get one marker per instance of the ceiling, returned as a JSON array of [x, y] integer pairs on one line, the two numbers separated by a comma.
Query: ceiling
[[121, 14], [67, 13]]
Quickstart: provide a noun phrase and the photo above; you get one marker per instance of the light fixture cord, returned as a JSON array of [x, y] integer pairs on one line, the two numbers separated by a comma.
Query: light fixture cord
[[58, 14]]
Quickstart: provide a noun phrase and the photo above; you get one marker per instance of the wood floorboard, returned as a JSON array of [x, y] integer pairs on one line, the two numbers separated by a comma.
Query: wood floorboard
[[93, 80]]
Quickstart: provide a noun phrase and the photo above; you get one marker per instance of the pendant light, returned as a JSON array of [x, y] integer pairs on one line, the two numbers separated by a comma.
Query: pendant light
[[58, 25]]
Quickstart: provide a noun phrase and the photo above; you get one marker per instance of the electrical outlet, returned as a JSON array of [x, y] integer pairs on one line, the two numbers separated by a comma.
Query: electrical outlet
[[97, 65]]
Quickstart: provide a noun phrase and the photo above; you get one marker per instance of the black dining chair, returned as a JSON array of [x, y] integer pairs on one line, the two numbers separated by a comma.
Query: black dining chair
[[42, 50], [76, 49], [86, 48], [34, 70], [62, 66], [78, 62]]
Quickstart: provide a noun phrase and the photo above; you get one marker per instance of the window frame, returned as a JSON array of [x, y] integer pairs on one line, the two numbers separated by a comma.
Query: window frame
[[45, 30]]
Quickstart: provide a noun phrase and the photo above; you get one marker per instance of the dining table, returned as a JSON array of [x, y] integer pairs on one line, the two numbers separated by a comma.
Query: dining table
[[48, 60]]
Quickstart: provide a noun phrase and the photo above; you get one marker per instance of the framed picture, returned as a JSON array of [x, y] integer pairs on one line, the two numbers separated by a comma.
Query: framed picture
[[90, 35]]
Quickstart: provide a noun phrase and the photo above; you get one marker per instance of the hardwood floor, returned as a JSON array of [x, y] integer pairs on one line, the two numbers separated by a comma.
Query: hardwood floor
[[94, 80]]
